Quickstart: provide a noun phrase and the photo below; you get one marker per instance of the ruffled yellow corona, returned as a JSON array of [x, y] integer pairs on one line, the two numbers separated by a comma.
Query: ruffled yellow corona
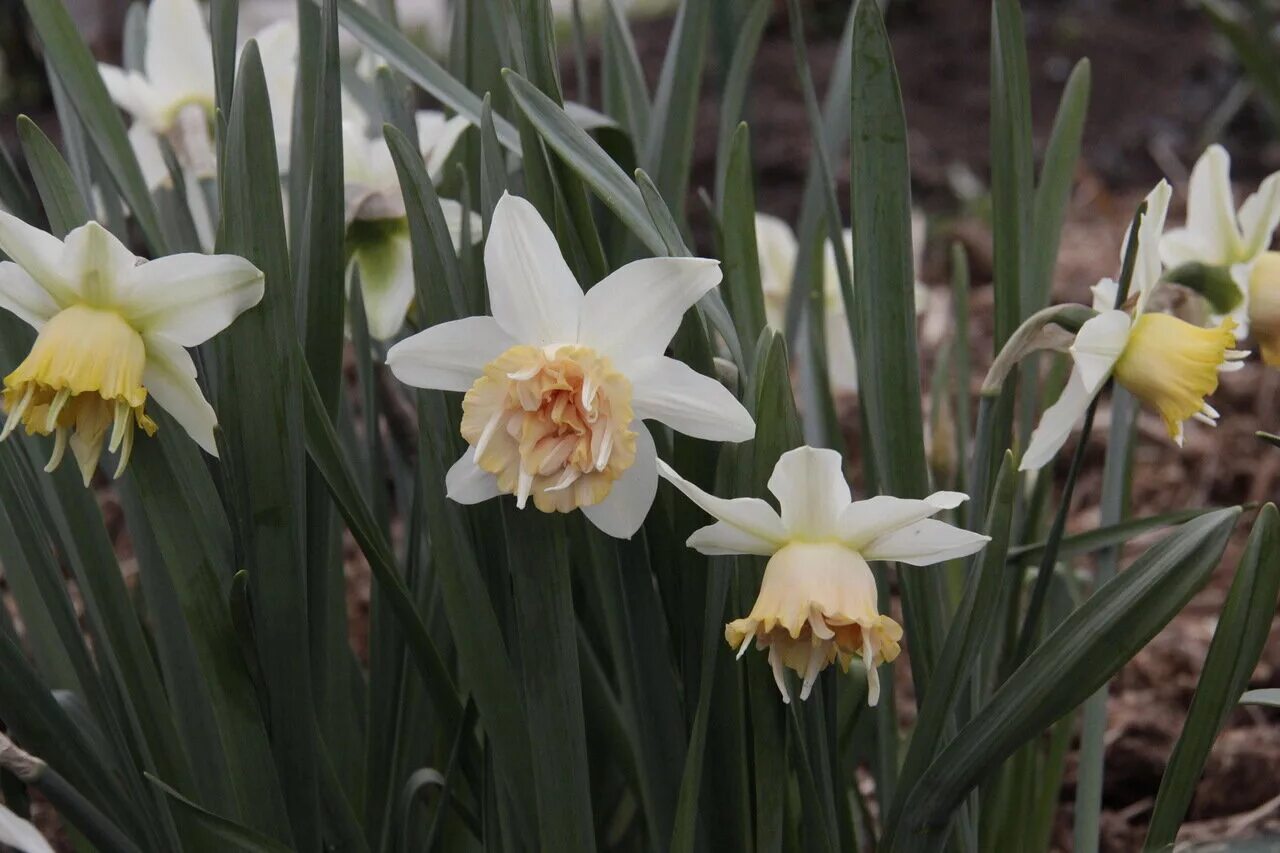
[[83, 375], [1172, 365]]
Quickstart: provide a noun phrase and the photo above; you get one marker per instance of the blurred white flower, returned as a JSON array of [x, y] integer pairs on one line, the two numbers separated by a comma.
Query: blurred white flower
[[818, 601], [778, 249], [1216, 235], [558, 384], [378, 244], [112, 331], [1167, 363], [173, 95]]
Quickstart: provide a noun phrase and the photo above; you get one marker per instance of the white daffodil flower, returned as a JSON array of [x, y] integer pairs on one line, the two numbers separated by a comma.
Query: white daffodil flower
[[778, 249], [1216, 235], [559, 383], [818, 602], [112, 332], [173, 96], [377, 231], [1167, 363]]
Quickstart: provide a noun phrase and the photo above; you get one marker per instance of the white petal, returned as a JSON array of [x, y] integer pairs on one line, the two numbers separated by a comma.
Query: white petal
[[468, 483], [21, 834], [179, 56], [189, 298], [863, 521], [1259, 216], [810, 487], [453, 212], [386, 283], [722, 539], [39, 253], [1104, 294], [131, 92], [925, 543], [437, 139], [170, 379], [776, 244], [450, 356], [672, 392], [532, 292], [146, 148], [1211, 210], [1147, 268], [842, 363], [752, 517], [1056, 423], [1098, 346], [23, 295], [622, 512], [635, 311], [97, 264]]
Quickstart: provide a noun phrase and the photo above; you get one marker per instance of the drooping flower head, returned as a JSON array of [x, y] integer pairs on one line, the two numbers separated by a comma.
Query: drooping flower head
[[1218, 236], [377, 230], [558, 383], [1167, 363], [818, 600], [778, 251], [111, 336]]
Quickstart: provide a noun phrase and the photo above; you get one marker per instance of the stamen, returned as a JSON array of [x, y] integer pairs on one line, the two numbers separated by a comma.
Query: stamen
[[55, 408], [873, 676], [59, 450], [524, 487], [126, 450], [779, 676], [812, 669], [15, 416], [123, 419], [490, 427]]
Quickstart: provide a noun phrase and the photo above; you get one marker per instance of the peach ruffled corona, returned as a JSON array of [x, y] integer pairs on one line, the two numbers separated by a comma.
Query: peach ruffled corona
[[817, 605], [551, 423]]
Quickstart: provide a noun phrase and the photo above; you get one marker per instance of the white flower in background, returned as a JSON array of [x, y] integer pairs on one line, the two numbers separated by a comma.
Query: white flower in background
[[173, 95], [1167, 363], [1216, 235], [778, 250], [377, 231], [112, 332], [818, 601], [559, 383]]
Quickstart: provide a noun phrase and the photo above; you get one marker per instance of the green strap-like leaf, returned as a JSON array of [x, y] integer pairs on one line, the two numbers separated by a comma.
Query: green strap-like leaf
[[1238, 639], [1073, 661]]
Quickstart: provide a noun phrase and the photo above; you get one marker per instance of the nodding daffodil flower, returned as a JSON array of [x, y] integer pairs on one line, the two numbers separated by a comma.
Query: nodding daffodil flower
[[377, 230], [1167, 363], [778, 250], [817, 602], [558, 384], [1218, 236], [111, 334], [173, 96]]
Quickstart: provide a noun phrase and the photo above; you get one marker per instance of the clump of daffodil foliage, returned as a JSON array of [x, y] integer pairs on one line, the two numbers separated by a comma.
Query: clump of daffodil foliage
[[370, 297]]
